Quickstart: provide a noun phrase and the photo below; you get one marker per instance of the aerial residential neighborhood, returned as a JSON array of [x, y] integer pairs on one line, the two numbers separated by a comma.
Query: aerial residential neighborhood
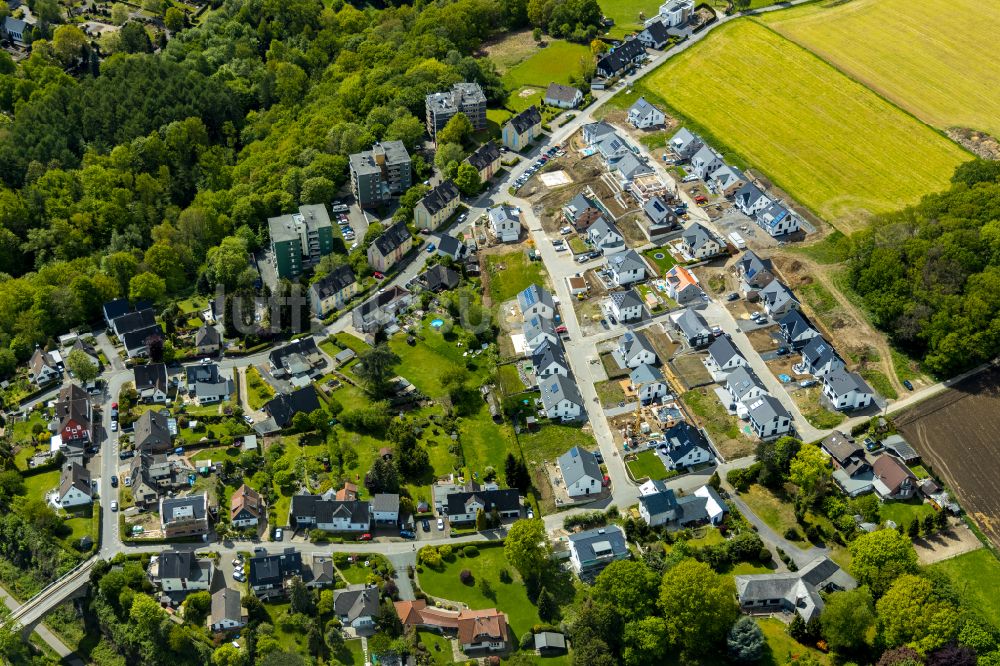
[[476, 332]]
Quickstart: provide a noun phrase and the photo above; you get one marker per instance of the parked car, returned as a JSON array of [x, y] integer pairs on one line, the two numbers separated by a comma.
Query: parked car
[[583, 258], [430, 248], [733, 297], [806, 383], [716, 331], [604, 323], [128, 481], [561, 329], [426, 525], [114, 481], [690, 178], [781, 351], [531, 513], [440, 524], [114, 505], [259, 550], [407, 534], [248, 419], [365, 537], [565, 231], [279, 534], [238, 561], [114, 426], [125, 455], [612, 319], [908, 384], [378, 276]]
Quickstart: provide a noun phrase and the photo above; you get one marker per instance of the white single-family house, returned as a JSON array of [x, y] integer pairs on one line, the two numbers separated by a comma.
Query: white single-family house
[[648, 383], [627, 268], [635, 349], [626, 305], [605, 237], [723, 356], [581, 472], [643, 115]]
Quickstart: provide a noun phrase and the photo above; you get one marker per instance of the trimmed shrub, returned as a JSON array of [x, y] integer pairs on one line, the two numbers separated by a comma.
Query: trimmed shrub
[[466, 577], [470, 551]]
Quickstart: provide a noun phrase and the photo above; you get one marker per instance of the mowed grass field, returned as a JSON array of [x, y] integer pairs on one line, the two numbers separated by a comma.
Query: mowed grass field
[[935, 58], [553, 64], [831, 143]]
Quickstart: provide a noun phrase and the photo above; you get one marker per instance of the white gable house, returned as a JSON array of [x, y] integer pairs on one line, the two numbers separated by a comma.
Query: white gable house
[[627, 268], [643, 115], [626, 305], [581, 472]]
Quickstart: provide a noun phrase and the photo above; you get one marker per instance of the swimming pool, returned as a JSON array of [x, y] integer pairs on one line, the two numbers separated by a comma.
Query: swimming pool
[[437, 323]]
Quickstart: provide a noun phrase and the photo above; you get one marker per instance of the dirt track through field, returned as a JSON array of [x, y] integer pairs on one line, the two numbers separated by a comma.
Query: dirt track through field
[[955, 433], [857, 332]]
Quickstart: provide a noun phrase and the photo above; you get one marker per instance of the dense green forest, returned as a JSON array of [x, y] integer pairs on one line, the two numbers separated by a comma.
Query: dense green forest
[[121, 180], [930, 274]]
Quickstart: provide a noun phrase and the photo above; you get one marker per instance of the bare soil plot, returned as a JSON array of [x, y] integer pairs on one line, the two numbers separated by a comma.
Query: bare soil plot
[[691, 371], [664, 346], [765, 339], [957, 540], [955, 433]]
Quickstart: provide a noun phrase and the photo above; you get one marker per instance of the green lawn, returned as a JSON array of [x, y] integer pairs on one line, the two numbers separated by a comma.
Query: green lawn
[[903, 512], [553, 64], [357, 573], [511, 598], [552, 440], [660, 258], [610, 392], [782, 648], [511, 273], [484, 443], [81, 524], [577, 245], [647, 466], [348, 341], [976, 577], [290, 641], [216, 453], [438, 646], [434, 357], [712, 414], [878, 381], [353, 653], [510, 379], [778, 515], [626, 14], [258, 391], [37, 485], [845, 154]]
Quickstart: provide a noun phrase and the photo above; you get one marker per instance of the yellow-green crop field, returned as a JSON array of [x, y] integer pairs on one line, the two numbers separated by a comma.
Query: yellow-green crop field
[[832, 144], [935, 58]]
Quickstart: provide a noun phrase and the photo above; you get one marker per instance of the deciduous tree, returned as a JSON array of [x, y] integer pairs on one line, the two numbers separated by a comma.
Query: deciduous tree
[[81, 366], [879, 557], [912, 613], [527, 548], [846, 619], [698, 604]]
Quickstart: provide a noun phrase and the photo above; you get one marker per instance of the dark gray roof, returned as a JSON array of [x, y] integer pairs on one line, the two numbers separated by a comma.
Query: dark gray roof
[[151, 375], [696, 235], [626, 299], [626, 261], [748, 195], [561, 92], [196, 503], [440, 196], [356, 602], [385, 502], [634, 342], [682, 435], [577, 464], [534, 294], [723, 350], [550, 640], [621, 56], [599, 541], [794, 324], [207, 335], [273, 569], [645, 374], [202, 372], [507, 499], [841, 446], [527, 119], [556, 388], [657, 31], [392, 238], [750, 264], [151, 430], [138, 337], [116, 308], [485, 155], [133, 321], [692, 324], [226, 605], [896, 444], [742, 381], [776, 294], [449, 245], [659, 503], [548, 353], [441, 277], [766, 408], [282, 408], [76, 476], [338, 279], [842, 382]]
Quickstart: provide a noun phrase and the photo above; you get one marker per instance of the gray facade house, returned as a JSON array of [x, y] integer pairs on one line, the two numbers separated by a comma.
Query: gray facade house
[[564, 97], [797, 592], [592, 550], [685, 143], [152, 434], [693, 327], [380, 173], [661, 217], [581, 472], [467, 98]]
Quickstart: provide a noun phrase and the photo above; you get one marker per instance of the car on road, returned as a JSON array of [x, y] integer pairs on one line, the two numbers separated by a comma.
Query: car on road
[[407, 534], [114, 426], [430, 248], [259, 550], [114, 505], [248, 419], [114, 481], [733, 297], [908, 384], [279, 534], [440, 524], [378, 276], [365, 537], [604, 323], [426, 525], [781, 351], [206, 361]]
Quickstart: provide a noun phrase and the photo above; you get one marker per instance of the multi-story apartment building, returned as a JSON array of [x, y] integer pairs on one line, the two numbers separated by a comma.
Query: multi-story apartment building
[[467, 98], [298, 240], [380, 173]]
